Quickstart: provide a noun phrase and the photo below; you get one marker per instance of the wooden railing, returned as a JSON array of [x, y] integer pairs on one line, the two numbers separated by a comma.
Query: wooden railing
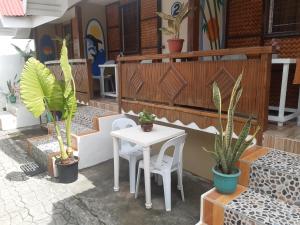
[[82, 77], [183, 90]]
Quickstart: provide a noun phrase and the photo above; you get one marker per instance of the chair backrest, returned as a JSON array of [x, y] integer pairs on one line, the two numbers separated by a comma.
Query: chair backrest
[[123, 123], [177, 143], [108, 62]]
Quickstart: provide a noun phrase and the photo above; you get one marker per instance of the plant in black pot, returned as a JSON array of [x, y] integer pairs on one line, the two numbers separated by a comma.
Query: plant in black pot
[[226, 150], [42, 92], [146, 120], [174, 22]]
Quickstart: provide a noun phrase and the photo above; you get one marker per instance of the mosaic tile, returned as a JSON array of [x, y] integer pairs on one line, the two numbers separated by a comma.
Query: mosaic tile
[[278, 175], [254, 208]]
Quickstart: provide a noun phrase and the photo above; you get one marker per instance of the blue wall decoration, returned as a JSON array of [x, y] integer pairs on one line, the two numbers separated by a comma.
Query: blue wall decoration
[[46, 48], [95, 45]]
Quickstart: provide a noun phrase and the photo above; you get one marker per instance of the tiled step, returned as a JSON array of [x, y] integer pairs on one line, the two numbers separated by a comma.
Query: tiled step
[[105, 104], [272, 172], [76, 129], [87, 116], [42, 149], [255, 208], [246, 207]]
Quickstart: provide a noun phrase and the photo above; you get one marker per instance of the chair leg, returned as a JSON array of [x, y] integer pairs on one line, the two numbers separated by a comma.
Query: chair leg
[[180, 185], [167, 190], [132, 171], [138, 183]]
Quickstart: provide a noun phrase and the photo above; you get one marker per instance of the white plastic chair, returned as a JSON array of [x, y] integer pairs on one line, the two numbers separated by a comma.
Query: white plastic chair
[[128, 151], [164, 165]]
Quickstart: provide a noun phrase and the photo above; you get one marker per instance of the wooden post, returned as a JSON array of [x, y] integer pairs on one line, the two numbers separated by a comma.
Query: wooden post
[[265, 72], [193, 25]]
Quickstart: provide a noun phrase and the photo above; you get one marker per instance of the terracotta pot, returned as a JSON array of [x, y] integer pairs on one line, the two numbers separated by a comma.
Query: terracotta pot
[[175, 45], [147, 127]]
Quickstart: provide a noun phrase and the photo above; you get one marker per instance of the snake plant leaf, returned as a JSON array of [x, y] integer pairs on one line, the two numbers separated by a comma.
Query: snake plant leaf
[[217, 97], [39, 86], [230, 113], [242, 137], [245, 145], [66, 68], [166, 31]]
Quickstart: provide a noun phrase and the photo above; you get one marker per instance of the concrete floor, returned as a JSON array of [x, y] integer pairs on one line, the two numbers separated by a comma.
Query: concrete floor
[[90, 200]]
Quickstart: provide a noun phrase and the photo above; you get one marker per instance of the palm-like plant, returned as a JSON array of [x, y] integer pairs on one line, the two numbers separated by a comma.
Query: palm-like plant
[[26, 53], [174, 22], [226, 153], [42, 92]]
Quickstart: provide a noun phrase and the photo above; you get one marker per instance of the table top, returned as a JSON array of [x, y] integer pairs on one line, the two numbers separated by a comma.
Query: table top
[[138, 136]]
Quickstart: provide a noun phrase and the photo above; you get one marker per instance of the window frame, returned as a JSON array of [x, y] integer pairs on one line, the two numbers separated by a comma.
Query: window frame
[[267, 5], [137, 50]]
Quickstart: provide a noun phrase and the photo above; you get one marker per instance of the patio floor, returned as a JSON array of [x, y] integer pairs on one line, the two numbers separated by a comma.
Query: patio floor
[[90, 200]]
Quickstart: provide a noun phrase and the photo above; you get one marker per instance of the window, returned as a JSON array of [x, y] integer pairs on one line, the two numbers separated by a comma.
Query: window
[[283, 17], [130, 25]]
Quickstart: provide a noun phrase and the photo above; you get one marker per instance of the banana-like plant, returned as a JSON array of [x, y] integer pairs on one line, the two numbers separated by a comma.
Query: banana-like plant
[[41, 92], [226, 152], [174, 22]]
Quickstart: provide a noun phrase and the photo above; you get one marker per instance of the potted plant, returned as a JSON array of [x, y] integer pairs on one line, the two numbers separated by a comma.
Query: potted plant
[[226, 150], [12, 88], [174, 22], [146, 120], [42, 92]]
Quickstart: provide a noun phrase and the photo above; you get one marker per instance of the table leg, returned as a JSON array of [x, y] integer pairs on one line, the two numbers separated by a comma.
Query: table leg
[[116, 164], [146, 155]]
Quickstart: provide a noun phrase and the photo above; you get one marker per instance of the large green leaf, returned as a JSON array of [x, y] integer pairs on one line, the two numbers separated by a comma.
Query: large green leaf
[[66, 68], [39, 86]]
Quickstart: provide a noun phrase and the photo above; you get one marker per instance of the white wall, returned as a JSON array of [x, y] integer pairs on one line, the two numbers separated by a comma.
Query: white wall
[[11, 63], [166, 8]]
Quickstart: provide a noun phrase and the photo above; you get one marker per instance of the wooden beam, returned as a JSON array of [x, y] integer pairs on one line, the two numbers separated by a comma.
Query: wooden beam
[[193, 26]]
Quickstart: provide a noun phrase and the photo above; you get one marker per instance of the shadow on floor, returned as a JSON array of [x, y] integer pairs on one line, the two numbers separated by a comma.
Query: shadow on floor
[[101, 205]]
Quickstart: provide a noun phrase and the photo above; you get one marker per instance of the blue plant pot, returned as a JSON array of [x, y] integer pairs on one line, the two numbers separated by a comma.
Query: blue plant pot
[[12, 99], [225, 183]]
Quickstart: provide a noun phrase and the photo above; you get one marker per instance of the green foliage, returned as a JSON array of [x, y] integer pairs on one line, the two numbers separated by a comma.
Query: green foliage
[[225, 152], [42, 92], [12, 85], [27, 53], [39, 89], [146, 117], [174, 22]]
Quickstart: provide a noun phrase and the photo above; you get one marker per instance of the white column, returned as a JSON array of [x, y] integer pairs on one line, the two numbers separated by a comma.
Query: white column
[[116, 80], [146, 155], [116, 163], [285, 74]]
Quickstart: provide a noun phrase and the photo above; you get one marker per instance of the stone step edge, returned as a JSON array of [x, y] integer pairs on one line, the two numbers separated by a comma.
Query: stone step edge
[[213, 205], [247, 159]]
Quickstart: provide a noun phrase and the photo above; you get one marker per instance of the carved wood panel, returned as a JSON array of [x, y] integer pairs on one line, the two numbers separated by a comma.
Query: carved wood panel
[[81, 75]]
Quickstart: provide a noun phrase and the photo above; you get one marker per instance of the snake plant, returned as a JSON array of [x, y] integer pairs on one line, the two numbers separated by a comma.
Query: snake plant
[[42, 92], [226, 151], [174, 22]]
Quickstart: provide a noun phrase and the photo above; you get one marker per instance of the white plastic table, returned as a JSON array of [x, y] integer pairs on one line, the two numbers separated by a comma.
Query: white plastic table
[[146, 140]]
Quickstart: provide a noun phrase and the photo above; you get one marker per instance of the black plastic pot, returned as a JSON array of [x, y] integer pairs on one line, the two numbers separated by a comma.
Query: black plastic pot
[[67, 173]]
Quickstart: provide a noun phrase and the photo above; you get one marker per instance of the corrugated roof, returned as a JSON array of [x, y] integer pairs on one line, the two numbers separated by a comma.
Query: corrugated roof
[[11, 8]]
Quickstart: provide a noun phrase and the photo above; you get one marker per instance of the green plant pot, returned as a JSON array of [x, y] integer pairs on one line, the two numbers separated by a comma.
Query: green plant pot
[[225, 183], [12, 99]]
